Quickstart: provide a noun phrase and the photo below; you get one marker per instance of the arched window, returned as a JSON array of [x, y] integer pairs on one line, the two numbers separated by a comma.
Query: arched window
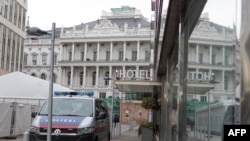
[[107, 76], [94, 78], [43, 76], [33, 74], [68, 76], [81, 78]]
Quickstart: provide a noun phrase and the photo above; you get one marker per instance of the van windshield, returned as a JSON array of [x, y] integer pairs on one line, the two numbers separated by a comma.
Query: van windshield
[[69, 107]]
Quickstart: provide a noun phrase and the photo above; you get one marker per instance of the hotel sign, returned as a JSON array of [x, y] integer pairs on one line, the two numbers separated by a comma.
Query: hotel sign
[[134, 74], [199, 76]]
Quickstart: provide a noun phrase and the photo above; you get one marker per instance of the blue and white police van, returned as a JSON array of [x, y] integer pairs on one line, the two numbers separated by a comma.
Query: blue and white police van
[[75, 117]]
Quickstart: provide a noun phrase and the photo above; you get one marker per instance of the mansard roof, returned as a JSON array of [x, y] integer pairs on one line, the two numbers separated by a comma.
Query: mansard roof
[[208, 25], [120, 22]]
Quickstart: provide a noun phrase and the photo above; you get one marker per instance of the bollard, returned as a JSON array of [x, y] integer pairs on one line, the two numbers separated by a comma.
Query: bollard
[[26, 136]]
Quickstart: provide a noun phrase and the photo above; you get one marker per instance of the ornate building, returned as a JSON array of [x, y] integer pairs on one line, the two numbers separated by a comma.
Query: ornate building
[[211, 55], [118, 42], [119, 45]]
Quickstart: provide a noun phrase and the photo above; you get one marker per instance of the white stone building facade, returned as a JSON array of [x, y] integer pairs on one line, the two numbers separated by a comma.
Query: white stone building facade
[[88, 53], [212, 51]]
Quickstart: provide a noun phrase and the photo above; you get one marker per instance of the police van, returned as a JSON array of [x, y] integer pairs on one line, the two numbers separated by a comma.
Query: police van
[[75, 117]]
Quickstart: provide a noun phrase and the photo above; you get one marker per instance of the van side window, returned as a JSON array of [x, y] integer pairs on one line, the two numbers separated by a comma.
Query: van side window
[[104, 108], [97, 108], [101, 107]]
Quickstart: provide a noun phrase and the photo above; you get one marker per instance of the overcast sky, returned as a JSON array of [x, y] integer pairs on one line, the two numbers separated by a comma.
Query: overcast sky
[[69, 13]]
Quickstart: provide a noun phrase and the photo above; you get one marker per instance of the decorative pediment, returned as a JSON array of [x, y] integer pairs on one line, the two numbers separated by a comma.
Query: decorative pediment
[[205, 26], [105, 25]]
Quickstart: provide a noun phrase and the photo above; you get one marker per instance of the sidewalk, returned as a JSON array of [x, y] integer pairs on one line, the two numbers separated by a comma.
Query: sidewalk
[[128, 134], [201, 137]]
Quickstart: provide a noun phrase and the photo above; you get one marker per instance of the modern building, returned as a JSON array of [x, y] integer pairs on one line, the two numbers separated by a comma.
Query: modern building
[[12, 34]]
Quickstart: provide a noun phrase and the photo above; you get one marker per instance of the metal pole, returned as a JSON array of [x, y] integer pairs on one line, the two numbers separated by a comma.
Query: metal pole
[[194, 117], [50, 102], [120, 117], [112, 108], [208, 130]]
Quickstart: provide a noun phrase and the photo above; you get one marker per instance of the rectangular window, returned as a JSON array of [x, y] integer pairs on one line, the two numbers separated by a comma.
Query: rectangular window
[[213, 59], [44, 59], [200, 58], [94, 55], [82, 56], [34, 60], [189, 97], [226, 83], [107, 55], [226, 60], [134, 55], [203, 98], [120, 55], [102, 95], [147, 55], [70, 56], [55, 59], [25, 59], [217, 99]]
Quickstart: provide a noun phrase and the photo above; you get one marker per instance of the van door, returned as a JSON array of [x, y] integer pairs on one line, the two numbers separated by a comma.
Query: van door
[[102, 124]]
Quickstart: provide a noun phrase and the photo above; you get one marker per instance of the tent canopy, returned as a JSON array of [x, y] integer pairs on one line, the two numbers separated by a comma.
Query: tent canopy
[[21, 85]]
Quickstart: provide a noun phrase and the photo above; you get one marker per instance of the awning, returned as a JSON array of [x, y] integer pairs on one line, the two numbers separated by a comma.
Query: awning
[[137, 85], [196, 87], [151, 86]]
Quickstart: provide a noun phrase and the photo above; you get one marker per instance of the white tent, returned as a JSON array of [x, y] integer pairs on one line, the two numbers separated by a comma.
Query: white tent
[[21, 85]]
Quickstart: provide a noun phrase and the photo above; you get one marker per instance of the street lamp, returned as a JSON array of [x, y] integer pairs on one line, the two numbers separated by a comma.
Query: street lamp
[[38, 32]]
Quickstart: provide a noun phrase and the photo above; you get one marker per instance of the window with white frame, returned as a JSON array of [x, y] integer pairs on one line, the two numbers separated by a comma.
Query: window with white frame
[[102, 95], [82, 56], [70, 55], [134, 55], [94, 55], [226, 83], [213, 59], [106, 82], [44, 59], [203, 98], [68, 78], [147, 55], [107, 55], [200, 58], [43, 76], [55, 59], [226, 59], [189, 97], [34, 59], [93, 78], [120, 55], [81, 78], [25, 59]]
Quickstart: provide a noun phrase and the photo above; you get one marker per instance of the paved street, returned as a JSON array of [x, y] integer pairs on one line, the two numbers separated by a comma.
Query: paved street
[[126, 135], [131, 135]]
